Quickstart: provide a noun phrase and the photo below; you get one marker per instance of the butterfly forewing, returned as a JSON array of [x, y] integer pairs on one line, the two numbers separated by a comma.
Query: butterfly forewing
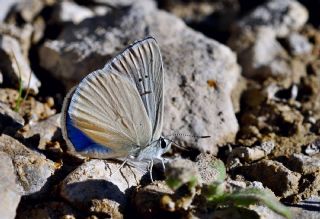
[[117, 110], [141, 63]]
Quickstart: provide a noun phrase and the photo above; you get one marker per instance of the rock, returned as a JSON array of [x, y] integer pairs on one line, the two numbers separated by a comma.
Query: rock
[[232, 212], [264, 212], [30, 109], [91, 188], [197, 86], [48, 130], [23, 34], [113, 3], [299, 44], [47, 210], [39, 27], [309, 186], [213, 18], [36, 111], [10, 190], [151, 198], [15, 66], [207, 167], [71, 12], [262, 56], [282, 16], [29, 9], [255, 39], [32, 168], [6, 6], [274, 175], [248, 154], [307, 209], [313, 147], [304, 164], [10, 121], [182, 171]]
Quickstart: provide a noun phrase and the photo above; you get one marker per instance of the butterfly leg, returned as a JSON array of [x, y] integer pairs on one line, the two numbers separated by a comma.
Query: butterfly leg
[[163, 166], [118, 169], [150, 169]]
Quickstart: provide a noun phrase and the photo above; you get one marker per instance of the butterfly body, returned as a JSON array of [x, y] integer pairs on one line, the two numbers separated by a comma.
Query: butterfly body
[[117, 111]]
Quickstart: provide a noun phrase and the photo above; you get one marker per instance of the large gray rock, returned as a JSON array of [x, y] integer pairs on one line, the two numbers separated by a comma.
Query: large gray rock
[[10, 190], [32, 168], [90, 187], [200, 73]]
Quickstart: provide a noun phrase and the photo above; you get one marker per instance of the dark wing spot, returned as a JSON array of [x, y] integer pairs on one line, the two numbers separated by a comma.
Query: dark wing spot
[[144, 93]]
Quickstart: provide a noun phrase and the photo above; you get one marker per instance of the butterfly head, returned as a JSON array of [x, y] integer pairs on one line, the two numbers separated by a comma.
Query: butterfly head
[[154, 150]]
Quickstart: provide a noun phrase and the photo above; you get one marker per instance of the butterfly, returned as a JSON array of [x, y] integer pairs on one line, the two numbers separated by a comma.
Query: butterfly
[[117, 111]]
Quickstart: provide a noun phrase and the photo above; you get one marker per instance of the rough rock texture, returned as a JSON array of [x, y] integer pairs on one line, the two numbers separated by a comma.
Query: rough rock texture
[[32, 168], [71, 12], [255, 40], [254, 153], [15, 66], [313, 147], [48, 130], [282, 181], [211, 17], [282, 16], [30, 9], [150, 197], [299, 44], [10, 190], [48, 210], [91, 188], [11, 121], [264, 56], [30, 109], [197, 87], [307, 209], [206, 168], [6, 6], [304, 164], [182, 171]]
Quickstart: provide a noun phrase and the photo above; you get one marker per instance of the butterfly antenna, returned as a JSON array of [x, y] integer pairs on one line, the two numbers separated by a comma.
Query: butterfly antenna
[[184, 135], [192, 136], [177, 145]]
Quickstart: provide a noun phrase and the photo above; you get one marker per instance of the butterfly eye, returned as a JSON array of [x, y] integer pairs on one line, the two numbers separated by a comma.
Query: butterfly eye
[[163, 144]]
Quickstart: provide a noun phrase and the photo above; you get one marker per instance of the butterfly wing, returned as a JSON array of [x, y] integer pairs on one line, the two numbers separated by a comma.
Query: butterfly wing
[[141, 63], [105, 117]]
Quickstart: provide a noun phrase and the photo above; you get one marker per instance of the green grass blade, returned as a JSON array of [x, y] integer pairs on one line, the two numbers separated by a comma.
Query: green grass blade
[[245, 197]]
